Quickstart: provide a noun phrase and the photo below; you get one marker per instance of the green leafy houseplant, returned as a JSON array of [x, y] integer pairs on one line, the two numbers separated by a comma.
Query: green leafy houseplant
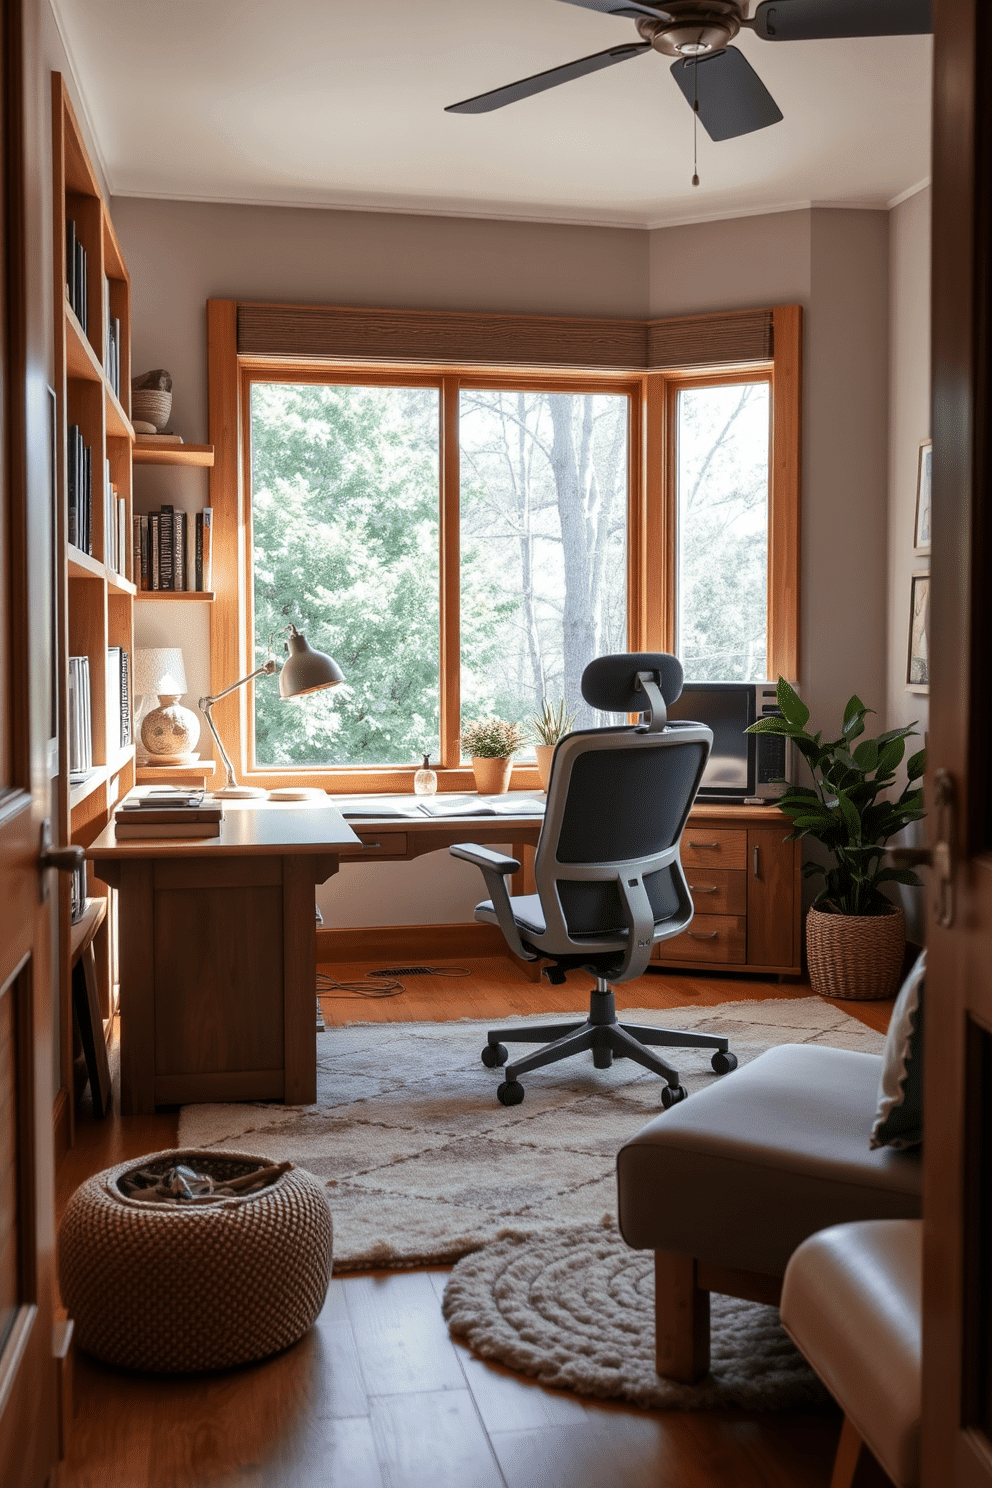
[[492, 738], [552, 723], [849, 808]]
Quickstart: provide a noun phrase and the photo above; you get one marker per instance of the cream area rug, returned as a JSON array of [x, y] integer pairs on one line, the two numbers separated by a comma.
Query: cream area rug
[[575, 1310], [423, 1165]]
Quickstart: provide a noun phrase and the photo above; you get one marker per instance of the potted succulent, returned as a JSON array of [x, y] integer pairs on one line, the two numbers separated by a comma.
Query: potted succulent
[[855, 936], [492, 743], [548, 726]]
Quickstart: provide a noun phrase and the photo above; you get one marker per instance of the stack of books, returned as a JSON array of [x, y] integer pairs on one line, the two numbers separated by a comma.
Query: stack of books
[[80, 719], [112, 325], [165, 542], [79, 459], [168, 814], [75, 275], [114, 524]]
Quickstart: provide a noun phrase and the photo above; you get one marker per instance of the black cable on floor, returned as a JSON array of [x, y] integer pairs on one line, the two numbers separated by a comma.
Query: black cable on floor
[[384, 983]]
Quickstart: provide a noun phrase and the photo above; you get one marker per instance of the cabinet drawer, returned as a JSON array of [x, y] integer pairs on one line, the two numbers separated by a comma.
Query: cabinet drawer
[[715, 891], [377, 845], [703, 848], [718, 938]]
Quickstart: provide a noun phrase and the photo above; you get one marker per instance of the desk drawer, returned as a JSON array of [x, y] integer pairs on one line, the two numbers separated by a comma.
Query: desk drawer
[[721, 939], [703, 847], [715, 891], [377, 845]]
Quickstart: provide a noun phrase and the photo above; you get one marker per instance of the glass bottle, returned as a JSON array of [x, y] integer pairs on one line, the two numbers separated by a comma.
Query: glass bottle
[[425, 780]]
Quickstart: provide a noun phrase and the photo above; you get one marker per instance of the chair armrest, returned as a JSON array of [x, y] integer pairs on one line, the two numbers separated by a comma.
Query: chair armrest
[[484, 857], [495, 866]]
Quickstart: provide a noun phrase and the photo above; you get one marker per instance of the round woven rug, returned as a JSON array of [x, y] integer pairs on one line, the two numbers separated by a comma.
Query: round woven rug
[[576, 1310]]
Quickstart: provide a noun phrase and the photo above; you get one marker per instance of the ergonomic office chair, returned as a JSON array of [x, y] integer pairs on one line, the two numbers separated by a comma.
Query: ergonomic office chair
[[609, 880]]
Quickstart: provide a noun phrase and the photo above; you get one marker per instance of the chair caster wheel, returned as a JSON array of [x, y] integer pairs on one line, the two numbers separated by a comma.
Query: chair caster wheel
[[723, 1063], [671, 1096], [494, 1055], [510, 1093]]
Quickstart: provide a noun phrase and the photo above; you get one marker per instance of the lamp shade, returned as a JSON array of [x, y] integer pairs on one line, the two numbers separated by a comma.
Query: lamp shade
[[306, 670], [159, 669]]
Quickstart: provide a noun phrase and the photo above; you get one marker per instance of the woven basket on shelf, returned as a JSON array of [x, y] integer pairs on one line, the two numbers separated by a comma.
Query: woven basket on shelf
[[151, 406], [855, 956], [153, 1286]]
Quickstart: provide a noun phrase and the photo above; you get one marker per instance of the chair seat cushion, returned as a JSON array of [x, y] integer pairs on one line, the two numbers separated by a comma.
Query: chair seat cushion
[[851, 1301], [742, 1172], [526, 909]]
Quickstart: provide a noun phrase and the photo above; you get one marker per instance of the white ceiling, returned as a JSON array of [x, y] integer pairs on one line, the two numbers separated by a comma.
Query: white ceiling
[[340, 103]]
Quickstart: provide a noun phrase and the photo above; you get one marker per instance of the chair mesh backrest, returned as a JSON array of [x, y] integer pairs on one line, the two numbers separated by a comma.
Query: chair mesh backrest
[[616, 797]]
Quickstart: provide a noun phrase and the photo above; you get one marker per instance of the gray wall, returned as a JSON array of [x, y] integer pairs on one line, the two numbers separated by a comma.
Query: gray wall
[[834, 263]]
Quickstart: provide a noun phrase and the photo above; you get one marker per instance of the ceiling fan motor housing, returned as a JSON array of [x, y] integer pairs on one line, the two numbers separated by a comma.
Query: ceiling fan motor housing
[[693, 28]]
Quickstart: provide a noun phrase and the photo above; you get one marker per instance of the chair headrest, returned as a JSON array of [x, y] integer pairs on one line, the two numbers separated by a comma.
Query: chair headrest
[[610, 683]]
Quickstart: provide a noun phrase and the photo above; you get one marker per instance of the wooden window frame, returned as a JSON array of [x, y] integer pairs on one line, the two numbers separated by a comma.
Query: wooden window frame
[[249, 343]]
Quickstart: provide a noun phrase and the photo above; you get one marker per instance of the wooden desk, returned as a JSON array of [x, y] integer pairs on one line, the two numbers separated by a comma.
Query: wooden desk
[[217, 954]]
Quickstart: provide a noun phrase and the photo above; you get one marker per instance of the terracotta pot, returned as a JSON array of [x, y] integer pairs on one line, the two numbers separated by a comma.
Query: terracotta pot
[[492, 776], [855, 956], [545, 754]]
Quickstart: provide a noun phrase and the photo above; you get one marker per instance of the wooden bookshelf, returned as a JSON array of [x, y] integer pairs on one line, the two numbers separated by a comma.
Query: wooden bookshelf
[[169, 596], [95, 598]]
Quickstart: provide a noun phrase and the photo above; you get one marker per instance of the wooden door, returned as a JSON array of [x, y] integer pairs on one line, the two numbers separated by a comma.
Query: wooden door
[[957, 1321], [28, 1436]]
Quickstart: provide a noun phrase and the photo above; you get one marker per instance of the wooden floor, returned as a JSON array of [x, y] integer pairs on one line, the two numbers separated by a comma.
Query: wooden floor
[[378, 1395]]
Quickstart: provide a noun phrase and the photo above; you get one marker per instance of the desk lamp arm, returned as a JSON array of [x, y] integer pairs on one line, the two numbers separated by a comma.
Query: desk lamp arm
[[206, 706]]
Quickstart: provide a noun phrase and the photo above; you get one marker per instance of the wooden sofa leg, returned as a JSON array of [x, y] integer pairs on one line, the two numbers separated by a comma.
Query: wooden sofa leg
[[848, 1456], [682, 1319]]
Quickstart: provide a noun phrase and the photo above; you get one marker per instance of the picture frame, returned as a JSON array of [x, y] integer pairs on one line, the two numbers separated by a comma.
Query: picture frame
[[918, 659], [924, 484]]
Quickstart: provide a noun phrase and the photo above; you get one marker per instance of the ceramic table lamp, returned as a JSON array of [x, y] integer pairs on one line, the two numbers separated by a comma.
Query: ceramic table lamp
[[169, 732]]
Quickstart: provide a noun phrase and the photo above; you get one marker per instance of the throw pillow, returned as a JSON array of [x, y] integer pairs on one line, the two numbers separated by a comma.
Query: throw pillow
[[899, 1117]]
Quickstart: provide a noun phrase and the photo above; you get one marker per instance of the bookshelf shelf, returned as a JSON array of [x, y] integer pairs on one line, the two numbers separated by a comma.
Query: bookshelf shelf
[[80, 358], [174, 454], [169, 596], [118, 584], [81, 566], [174, 774], [118, 423]]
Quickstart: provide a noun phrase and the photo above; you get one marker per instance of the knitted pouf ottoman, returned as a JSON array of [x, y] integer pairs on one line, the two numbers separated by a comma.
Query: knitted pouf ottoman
[[202, 1284]]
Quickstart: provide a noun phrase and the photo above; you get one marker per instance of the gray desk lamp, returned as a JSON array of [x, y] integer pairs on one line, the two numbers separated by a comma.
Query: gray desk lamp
[[304, 670]]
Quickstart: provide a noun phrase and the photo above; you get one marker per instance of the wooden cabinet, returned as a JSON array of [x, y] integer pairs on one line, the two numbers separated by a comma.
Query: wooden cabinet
[[745, 882], [94, 588]]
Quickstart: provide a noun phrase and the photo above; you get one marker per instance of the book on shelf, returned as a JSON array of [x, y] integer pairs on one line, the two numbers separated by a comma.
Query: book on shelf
[[77, 893], [179, 550], [207, 565], [79, 505], [118, 695], [139, 551], [166, 530], [154, 551], [75, 274], [80, 718], [121, 535]]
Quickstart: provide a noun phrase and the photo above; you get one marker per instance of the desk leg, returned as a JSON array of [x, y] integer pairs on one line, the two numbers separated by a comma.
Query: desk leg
[[299, 981], [137, 1004]]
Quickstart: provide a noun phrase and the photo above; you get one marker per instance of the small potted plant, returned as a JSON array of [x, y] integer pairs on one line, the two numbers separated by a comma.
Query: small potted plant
[[492, 743], [548, 726], [855, 936]]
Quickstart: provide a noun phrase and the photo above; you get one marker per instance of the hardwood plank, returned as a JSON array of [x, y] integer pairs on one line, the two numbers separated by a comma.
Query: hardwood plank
[[403, 1342], [433, 1437], [508, 1402]]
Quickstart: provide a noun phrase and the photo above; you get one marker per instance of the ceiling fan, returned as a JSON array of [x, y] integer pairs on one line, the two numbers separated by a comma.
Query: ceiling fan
[[715, 78]]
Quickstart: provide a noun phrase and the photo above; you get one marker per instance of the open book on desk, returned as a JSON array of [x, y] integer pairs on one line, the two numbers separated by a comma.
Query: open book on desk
[[414, 807]]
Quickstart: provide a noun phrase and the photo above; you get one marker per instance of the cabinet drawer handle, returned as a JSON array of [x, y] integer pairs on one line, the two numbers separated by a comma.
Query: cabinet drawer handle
[[370, 844], [704, 889], [693, 936], [704, 844], [757, 862]]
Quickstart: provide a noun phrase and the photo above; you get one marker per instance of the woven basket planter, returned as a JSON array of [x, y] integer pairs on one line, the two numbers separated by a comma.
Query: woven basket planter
[[164, 1288], [151, 406], [855, 956]]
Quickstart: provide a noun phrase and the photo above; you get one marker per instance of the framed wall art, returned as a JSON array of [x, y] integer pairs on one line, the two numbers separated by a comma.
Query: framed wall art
[[918, 663], [921, 537]]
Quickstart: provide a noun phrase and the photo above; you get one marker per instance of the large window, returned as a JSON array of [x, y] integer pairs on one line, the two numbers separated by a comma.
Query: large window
[[465, 538]]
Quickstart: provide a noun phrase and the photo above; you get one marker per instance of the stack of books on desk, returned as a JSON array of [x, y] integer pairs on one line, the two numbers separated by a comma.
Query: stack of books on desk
[[176, 815]]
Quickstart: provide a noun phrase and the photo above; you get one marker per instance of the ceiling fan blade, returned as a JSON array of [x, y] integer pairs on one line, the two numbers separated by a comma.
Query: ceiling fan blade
[[620, 8], [732, 98], [483, 103], [824, 20]]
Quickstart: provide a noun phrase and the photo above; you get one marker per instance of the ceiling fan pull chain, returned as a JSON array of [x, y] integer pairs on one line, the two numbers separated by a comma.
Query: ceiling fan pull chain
[[695, 123]]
